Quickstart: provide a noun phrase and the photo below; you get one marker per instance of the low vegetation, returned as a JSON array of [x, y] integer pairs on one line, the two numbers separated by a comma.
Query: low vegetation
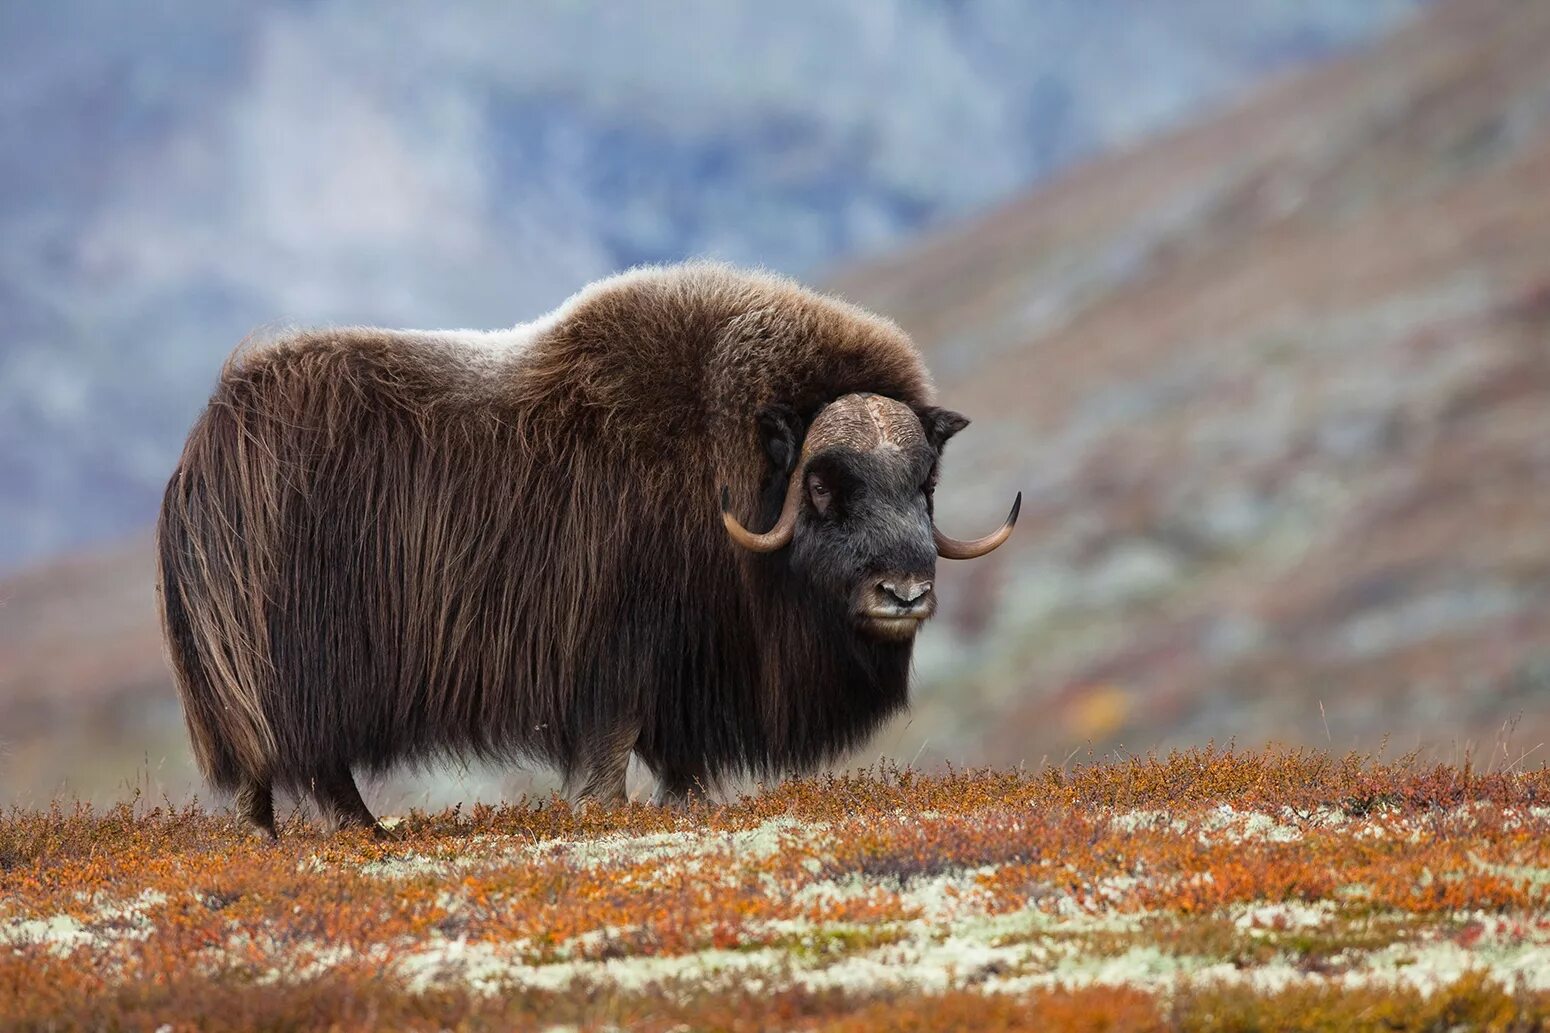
[[1207, 890]]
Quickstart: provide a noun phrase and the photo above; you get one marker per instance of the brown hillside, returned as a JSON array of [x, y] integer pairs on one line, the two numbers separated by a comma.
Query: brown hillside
[[1276, 388]]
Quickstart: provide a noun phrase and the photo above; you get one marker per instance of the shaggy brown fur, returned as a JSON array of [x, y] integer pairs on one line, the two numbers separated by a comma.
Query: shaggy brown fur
[[383, 546]]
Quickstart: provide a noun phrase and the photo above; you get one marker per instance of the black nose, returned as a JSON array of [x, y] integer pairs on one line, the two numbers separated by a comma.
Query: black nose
[[908, 592]]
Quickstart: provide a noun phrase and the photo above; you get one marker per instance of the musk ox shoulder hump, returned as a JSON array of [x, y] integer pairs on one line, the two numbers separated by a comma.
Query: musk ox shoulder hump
[[730, 340], [659, 351]]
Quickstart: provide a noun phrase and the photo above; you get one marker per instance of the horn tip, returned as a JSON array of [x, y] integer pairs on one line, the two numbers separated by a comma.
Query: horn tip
[[726, 499], [1017, 506]]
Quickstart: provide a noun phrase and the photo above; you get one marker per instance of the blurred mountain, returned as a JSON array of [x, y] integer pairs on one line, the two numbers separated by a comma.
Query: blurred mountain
[[175, 175], [1276, 387]]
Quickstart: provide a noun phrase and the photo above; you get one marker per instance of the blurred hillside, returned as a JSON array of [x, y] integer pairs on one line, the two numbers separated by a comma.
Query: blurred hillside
[[175, 175], [1276, 388]]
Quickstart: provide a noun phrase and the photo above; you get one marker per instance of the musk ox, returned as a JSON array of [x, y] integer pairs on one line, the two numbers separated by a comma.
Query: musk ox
[[384, 546]]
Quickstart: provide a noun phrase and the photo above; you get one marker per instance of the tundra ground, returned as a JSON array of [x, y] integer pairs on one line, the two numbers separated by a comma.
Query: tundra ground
[[1206, 890]]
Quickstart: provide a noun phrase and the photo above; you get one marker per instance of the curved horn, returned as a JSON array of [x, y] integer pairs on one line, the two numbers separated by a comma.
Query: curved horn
[[776, 537], [953, 549]]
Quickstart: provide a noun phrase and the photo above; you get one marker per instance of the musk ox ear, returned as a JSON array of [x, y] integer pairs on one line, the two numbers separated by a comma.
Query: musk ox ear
[[781, 431], [940, 424]]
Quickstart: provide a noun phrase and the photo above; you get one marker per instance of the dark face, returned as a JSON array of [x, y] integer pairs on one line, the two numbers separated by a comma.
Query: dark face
[[863, 536]]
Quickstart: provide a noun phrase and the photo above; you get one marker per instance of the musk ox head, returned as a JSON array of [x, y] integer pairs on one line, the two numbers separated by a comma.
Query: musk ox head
[[856, 516]]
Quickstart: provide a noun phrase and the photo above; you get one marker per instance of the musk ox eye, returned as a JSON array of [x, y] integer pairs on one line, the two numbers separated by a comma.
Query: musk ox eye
[[818, 492]]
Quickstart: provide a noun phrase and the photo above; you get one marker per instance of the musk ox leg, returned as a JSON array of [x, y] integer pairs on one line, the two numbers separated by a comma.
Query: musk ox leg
[[255, 804], [600, 775], [339, 801]]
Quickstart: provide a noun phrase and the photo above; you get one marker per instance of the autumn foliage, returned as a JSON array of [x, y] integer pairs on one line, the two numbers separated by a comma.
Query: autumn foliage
[[1207, 890]]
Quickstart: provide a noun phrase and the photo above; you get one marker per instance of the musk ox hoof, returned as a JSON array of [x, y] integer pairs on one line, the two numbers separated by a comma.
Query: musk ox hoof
[[264, 834], [377, 832], [380, 831], [383, 831], [594, 804], [388, 829]]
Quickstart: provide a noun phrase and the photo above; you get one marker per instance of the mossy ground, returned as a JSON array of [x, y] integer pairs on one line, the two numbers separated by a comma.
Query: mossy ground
[[1207, 890]]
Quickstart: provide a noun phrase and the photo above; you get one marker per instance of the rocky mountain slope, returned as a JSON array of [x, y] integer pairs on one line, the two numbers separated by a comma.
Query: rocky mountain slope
[[1276, 388]]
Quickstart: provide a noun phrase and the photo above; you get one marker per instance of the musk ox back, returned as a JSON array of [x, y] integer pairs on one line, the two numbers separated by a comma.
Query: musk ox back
[[386, 546]]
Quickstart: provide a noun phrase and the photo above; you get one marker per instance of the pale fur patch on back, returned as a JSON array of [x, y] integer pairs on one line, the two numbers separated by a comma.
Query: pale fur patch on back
[[493, 345]]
